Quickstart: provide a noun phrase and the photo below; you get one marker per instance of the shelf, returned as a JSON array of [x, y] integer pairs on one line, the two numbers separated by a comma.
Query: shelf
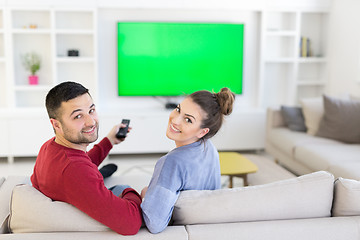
[[280, 60], [75, 59], [280, 46], [75, 31], [312, 60], [281, 33], [31, 31], [30, 98], [32, 88], [1, 20], [310, 83], [83, 43], [50, 33], [26, 18], [280, 21], [74, 19], [309, 91], [289, 76]]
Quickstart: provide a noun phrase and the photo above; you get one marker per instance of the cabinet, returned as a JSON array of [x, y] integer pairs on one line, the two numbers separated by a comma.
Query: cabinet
[[286, 76], [51, 34]]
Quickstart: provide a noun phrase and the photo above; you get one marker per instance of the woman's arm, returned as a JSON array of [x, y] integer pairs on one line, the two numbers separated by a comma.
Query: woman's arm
[[163, 191], [157, 208]]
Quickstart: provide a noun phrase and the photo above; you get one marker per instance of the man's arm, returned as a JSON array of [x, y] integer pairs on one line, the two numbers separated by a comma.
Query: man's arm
[[99, 152], [85, 189]]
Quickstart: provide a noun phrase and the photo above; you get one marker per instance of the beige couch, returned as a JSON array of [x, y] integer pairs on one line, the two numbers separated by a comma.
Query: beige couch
[[302, 153], [307, 207]]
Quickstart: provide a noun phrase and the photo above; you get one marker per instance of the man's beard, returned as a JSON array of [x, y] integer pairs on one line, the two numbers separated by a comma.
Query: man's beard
[[79, 138]]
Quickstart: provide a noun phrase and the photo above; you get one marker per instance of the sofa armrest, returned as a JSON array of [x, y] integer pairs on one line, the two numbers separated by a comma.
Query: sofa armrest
[[274, 118]]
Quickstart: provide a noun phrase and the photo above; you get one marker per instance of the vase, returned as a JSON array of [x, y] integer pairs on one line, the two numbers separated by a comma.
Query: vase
[[33, 80]]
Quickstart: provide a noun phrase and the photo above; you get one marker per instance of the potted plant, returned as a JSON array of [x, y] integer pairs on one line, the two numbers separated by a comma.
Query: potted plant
[[31, 62]]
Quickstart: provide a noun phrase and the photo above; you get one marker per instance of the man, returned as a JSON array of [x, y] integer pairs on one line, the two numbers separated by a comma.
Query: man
[[65, 171]]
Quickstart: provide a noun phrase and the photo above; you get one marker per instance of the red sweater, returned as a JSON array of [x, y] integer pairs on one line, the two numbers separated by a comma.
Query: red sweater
[[72, 176]]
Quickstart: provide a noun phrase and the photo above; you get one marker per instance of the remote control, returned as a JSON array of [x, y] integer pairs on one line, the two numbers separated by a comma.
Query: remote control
[[123, 130]]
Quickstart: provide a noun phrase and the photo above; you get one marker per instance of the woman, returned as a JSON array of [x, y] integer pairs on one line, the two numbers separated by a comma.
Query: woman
[[194, 163]]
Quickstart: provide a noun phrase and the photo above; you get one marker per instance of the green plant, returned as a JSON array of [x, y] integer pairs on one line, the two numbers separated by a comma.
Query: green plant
[[31, 62]]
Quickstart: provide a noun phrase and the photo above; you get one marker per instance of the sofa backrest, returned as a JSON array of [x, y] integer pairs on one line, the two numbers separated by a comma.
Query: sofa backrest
[[5, 195], [307, 196], [346, 198]]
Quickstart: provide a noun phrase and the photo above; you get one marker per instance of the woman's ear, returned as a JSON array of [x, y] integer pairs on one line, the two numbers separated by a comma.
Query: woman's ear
[[203, 132]]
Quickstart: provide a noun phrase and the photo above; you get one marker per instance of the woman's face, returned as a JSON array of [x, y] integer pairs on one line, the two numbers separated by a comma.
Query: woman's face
[[184, 123]]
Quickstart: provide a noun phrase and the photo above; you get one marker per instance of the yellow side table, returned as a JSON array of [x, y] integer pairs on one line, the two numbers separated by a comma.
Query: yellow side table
[[234, 164]]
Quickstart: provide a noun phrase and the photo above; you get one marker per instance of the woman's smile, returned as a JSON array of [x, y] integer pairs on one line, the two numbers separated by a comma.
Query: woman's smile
[[174, 129]]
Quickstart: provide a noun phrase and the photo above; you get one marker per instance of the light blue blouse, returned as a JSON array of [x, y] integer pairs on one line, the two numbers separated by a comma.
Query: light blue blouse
[[191, 167]]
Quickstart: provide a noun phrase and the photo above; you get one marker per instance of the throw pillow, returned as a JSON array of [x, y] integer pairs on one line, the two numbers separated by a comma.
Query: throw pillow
[[346, 198], [32, 211], [294, 118], [341, 120], [313, 111], [307, 196]]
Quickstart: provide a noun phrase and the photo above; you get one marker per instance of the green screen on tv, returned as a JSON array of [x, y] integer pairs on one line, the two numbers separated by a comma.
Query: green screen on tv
[[171, 59]]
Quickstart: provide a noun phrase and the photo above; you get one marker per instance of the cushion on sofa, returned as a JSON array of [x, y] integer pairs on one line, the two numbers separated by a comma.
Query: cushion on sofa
[[320, 156], [346, 198], [32, 211], [294, 118], [288, 141], [307, 196], [313, 111], [341, 120], [349, 169], [5, 196]]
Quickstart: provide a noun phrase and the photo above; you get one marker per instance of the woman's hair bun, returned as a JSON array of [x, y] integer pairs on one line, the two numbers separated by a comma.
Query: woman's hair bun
[[226, 99]]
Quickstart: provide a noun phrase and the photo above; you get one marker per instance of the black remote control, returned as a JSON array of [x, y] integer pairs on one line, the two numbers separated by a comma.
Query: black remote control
[[123, 130]]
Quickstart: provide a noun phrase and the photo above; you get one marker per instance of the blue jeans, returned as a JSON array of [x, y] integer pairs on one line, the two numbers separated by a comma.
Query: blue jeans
[[118, 189]]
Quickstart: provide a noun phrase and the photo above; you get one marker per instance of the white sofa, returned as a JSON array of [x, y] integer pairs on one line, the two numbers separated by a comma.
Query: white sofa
[[302, 153], [307, 207]]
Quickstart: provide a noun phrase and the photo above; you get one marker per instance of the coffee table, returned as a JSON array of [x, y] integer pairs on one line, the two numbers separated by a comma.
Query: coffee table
[[234, 164]]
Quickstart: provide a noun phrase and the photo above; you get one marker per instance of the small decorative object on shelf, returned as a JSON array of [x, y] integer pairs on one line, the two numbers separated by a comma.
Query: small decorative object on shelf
[[31, 62], [73, 53]]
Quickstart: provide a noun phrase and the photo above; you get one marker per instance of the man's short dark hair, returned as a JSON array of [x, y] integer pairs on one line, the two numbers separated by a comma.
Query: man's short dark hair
[[62, 92]]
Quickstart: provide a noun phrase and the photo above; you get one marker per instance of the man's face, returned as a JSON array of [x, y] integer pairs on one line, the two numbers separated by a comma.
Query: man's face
[[78, 121]]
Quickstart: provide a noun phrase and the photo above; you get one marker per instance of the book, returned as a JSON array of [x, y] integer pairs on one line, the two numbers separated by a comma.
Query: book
[[305, 50]]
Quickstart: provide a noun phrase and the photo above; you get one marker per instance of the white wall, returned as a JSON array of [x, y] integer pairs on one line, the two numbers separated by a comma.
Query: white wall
[[107, 46], [344, 43]]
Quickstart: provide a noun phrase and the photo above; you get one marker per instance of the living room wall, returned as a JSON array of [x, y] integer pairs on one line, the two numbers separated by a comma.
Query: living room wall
[[107, 43], [344, 48]]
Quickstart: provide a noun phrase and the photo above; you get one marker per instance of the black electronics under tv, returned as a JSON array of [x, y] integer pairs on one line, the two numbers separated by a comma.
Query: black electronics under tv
[[172, 59]]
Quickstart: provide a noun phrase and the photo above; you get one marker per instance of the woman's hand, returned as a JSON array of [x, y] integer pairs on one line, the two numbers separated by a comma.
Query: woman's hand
[[143, 192]]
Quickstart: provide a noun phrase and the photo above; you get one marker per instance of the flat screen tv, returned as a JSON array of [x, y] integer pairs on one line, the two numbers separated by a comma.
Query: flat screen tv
[[171, 59]]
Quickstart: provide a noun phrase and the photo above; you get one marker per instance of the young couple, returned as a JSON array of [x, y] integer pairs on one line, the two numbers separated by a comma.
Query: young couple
[[65, 171]]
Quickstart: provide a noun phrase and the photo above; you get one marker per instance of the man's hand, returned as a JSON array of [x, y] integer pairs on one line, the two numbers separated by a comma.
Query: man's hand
[[112, 134], [143, 192]]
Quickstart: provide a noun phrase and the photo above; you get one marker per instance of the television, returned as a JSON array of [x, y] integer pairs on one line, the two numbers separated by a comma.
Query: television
[[173, 59]]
